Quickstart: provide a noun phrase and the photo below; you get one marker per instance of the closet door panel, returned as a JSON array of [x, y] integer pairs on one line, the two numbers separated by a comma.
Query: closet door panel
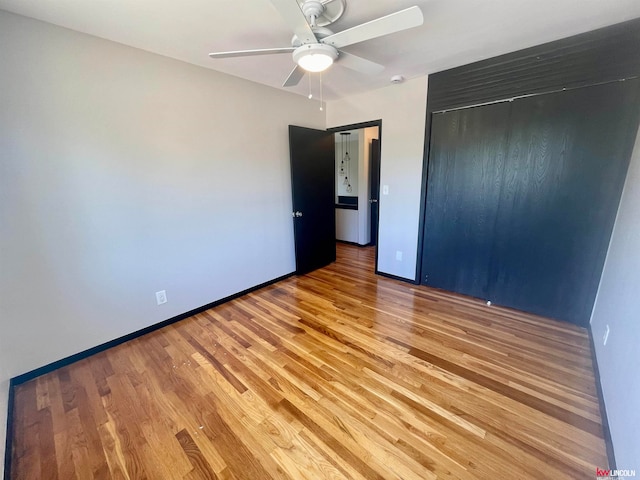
[[567, 159], [466, 160]]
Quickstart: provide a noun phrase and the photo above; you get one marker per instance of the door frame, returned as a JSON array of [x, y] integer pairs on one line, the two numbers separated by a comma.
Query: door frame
[[374, 186], [358, 126]]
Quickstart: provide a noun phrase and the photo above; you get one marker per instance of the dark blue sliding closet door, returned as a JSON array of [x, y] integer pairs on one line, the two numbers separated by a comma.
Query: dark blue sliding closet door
[[567, 161], [522, 197], [468, 151]]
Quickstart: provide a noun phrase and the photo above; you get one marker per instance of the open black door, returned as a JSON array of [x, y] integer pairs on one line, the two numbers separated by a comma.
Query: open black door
[[312, 154]]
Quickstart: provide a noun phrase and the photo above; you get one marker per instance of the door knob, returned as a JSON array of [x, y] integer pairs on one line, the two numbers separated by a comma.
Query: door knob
[[373, 200], [296, 214]]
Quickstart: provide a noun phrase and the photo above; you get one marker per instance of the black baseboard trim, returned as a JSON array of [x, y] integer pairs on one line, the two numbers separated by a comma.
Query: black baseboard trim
[[606, 431], [7, 442], [25, 377], [395, 277]]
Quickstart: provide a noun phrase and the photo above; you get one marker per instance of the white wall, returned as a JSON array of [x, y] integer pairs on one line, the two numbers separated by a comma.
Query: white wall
[[618, 305], [347, 225], [402, 110], [123, 173], [4, 397]]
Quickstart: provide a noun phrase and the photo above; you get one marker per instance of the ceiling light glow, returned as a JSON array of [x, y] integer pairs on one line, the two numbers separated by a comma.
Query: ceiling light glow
[[315, 57]]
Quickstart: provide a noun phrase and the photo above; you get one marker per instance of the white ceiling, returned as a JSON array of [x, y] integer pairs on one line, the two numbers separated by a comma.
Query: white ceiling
[[455, 32]]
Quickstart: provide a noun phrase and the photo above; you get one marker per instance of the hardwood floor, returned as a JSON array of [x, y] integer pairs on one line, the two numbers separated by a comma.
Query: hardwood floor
[[335, 374]]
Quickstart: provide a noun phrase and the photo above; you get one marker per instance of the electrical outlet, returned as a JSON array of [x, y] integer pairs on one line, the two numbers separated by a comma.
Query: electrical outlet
[[161, 297], [605, 337], [399, 255]]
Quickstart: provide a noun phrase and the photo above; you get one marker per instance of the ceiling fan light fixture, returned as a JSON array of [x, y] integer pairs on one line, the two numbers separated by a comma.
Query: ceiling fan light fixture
[[315, 62], [315, 57]]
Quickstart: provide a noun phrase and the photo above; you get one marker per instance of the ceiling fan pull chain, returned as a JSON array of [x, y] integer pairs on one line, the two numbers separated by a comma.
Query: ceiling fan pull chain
[[310, 94], [321, 100]]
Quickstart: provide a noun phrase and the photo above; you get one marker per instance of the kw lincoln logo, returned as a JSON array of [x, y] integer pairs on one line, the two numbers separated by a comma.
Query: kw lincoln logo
[[618, 474]]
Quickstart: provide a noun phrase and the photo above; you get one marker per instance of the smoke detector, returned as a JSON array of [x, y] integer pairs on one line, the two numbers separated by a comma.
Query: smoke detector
[[397, 79]]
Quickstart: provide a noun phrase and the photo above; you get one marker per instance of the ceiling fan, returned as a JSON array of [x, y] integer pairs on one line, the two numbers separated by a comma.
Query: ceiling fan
[[315, 47]]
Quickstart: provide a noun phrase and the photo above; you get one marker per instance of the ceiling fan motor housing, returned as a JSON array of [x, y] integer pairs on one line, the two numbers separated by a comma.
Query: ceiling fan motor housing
[[319, 32]]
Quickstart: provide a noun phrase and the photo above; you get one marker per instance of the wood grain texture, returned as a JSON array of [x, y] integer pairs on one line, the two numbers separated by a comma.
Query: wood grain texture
[[335, 374], [590, 58], [468, 157], [604, 55], [522, 197], [568, 157]]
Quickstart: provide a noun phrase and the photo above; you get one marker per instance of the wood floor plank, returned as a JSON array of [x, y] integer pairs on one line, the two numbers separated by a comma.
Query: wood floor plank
[[201, 468], [337, 374]]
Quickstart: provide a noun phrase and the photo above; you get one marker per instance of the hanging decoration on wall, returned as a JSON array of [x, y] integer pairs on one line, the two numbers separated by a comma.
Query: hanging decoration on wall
[[342, 150], [345, 163]]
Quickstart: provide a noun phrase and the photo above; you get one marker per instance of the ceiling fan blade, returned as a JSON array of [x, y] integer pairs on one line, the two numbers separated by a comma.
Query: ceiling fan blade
[[395, 22], [247, 53], [292, 14], [294, 77], [359, 64]]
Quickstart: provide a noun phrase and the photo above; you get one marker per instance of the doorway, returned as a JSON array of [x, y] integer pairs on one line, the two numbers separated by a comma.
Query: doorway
[[357, 182], [333, 179]]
